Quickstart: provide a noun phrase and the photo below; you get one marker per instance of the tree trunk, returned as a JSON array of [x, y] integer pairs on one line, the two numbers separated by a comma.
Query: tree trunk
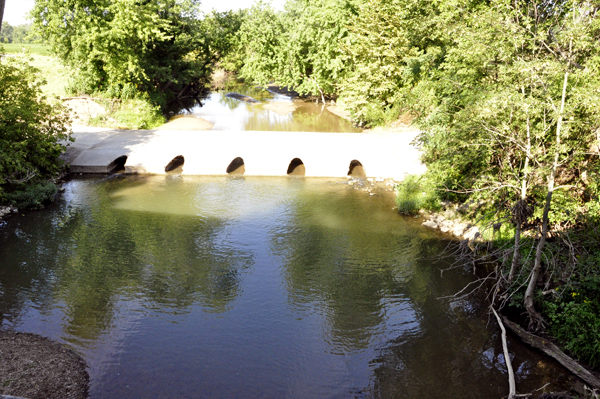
[[535, 319], [521, 212], [2, 2]]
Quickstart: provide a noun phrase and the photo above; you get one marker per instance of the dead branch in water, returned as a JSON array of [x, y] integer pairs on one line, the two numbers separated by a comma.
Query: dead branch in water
[[553, 351], [512, 390]]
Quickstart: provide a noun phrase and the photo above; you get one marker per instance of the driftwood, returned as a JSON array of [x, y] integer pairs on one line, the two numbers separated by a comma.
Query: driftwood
[[553, 351], [512, 386]]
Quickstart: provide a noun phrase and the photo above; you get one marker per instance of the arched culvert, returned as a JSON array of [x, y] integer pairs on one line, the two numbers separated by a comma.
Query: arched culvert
[[175, 165], [296, 168], [118, 165], [236, 167], [356, 169]]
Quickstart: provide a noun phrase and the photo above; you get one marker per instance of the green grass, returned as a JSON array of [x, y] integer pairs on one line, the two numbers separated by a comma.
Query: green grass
[[34, 48], [56, 74]]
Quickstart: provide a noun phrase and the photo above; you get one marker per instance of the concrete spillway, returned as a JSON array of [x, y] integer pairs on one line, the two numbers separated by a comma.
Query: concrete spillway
[[263, 153]]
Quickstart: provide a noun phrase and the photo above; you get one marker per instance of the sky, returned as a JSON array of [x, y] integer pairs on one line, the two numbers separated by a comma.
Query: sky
[[16, 10]]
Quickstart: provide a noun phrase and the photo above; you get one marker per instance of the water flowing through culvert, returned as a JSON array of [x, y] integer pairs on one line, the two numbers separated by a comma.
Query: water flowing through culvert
[[229, 287]]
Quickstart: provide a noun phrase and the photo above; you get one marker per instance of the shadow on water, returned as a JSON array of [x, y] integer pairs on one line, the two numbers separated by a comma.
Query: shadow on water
[[174, 286]]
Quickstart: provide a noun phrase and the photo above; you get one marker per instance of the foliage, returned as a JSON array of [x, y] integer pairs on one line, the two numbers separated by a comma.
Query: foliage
[[32, 196], [392, 42], [301, 48], [575, 321], [32, 128], [221, 30], [415, 193], [152, 45], [18, 34], [135, 113]]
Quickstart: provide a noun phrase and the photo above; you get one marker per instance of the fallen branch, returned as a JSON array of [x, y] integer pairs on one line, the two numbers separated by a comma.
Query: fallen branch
[[553, 351], [512, 390]]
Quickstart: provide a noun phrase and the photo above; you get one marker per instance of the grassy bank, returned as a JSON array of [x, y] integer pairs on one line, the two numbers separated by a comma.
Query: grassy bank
[[32, 48]]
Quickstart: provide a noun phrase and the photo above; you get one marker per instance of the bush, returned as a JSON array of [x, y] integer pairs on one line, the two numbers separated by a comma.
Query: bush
[[32, 196], [575, 322], [32, 130], [413, 194]]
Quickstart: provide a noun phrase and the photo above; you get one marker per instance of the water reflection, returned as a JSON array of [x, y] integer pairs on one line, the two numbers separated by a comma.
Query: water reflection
[[176, 286], [272, 114]]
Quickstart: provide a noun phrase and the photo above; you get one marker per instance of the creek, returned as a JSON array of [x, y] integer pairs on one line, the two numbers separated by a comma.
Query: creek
[[272, 112], [230, 287]]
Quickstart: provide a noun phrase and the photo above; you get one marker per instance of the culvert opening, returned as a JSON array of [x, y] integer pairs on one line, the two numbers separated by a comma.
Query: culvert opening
[[118, 165], [175, 165], [236, 167], [296, 168], [356, 169]]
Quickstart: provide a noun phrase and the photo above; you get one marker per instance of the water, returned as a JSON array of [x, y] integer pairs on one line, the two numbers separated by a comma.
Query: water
[[274, 113], [251, 287]]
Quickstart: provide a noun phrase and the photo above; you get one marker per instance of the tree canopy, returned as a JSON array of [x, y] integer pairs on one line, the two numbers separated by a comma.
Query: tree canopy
[[123, 47]]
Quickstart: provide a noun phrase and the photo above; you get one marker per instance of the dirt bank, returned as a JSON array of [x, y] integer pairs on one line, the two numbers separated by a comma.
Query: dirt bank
[[36, 367]]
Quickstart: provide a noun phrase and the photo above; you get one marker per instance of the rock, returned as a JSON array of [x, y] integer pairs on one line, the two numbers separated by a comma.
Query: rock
[[430, 223], [241, 97], [459, 228], [472, 233]]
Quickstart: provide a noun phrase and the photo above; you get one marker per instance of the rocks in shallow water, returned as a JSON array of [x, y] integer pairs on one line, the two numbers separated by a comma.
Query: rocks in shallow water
[[241, 97], [456, 227], [7, 210], [431, 224]]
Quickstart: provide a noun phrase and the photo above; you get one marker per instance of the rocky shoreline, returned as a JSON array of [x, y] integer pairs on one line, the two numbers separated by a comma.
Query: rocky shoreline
[[450, 222]]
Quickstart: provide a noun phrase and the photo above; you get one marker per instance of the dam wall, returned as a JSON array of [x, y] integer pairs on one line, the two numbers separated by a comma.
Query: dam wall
[[262, 153]]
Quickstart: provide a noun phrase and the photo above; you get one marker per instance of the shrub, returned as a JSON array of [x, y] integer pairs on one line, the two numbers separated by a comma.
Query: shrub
[[415, 193], [32, 196], [32, 129], [575, 322]]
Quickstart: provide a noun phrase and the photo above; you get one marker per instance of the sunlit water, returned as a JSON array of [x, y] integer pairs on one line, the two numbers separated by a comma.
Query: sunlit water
[[174, 287], [230, 114]]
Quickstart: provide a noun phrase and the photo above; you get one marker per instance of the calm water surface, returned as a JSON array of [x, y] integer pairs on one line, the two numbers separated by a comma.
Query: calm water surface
[[231, 114], [250, 288]]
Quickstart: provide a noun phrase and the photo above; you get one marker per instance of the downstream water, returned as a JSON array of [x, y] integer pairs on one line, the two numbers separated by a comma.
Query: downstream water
[[176, 287], [274, 112]]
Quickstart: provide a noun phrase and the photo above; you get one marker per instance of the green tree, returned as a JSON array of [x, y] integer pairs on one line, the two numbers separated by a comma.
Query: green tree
[[391, 43], [300, 48], [513, 115], [122, 47], [31, 128], [6, 34]]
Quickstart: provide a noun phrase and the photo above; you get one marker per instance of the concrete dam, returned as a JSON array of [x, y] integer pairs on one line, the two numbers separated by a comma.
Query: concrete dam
[[249, 153]]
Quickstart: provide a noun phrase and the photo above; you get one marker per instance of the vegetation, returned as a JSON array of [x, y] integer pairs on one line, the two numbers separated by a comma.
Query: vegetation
[[505, 93], [152, 50], [17, 34], [507, 101], [32, 130]]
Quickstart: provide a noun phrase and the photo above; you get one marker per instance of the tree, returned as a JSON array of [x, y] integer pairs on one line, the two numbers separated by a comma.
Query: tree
[[124, 46], [2, 3], [391, 42], [6, 34], [513, 115], [301, 48]]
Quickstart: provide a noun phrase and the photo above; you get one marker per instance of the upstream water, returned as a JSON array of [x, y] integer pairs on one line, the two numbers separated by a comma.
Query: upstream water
[[183, 287], [273, 112]]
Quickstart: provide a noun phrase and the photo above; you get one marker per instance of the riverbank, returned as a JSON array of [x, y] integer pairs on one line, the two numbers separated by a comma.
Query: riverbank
[[475, 248], [35, 367]]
